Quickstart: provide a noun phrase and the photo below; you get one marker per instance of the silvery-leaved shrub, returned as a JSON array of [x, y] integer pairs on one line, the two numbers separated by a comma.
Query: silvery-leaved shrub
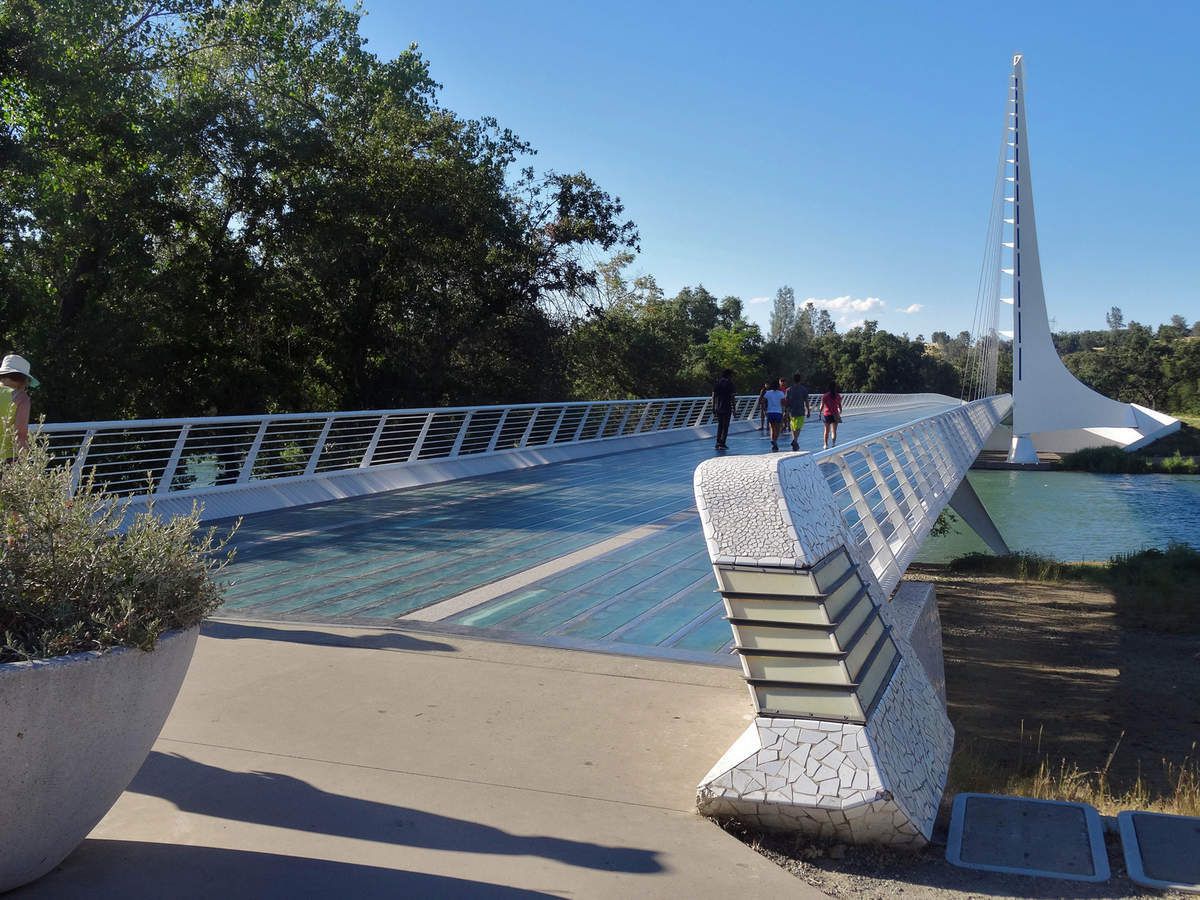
[[71, 581]]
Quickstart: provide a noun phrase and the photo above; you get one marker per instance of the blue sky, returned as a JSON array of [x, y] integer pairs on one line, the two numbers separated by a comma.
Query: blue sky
[[849, 150]]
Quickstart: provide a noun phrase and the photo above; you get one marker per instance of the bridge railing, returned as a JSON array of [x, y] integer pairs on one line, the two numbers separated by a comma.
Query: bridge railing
[[175, 457], [194, 455], [891, 486]]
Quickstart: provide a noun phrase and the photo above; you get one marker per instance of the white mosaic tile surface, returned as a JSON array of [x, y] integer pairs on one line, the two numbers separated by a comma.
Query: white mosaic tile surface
[[879, 783], [912, 738], [817, 778], [767, 510], [913, 615]]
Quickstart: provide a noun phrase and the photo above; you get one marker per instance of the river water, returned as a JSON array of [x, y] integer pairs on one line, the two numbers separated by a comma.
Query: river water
[[1075, 516]]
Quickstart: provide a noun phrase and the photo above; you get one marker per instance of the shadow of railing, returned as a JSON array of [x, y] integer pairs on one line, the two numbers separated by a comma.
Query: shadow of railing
[[283, 801], [391, 640], [133, 869]]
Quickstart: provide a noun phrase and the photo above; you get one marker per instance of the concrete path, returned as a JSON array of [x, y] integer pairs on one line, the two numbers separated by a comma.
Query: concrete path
[[322, 761]]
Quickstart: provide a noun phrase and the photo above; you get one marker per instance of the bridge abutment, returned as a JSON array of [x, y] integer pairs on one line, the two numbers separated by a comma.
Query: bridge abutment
[[844, 663], [879, 782]]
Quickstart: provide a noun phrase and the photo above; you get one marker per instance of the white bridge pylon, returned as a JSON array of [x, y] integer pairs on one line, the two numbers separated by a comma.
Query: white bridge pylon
[[1052, 410]]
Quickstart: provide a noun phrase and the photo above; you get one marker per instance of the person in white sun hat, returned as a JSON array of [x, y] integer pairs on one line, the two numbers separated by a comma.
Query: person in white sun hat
[[14, 405]]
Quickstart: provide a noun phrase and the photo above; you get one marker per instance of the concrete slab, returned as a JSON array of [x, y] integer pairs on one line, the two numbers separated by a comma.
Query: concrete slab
[[358, 762], [1162, 851], [1046, 838]]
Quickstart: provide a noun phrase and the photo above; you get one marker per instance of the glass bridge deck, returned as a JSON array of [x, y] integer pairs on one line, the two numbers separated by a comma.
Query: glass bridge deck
[[604, 553]]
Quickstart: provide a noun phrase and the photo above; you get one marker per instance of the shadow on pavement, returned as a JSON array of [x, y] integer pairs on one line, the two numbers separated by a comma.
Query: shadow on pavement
[[133, 869], [281, 801], [391, 640]]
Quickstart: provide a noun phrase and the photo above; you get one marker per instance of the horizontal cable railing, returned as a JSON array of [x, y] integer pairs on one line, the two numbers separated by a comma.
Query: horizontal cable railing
[[892, 485], [174, 456], [163, 457]]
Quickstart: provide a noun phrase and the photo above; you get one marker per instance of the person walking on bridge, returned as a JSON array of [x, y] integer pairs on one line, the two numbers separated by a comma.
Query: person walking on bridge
[[774, 401], [797, 408], [722, 403], [831, 412]]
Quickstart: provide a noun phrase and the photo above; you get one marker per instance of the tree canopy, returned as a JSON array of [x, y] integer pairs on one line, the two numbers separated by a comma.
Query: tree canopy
[[233, 206]]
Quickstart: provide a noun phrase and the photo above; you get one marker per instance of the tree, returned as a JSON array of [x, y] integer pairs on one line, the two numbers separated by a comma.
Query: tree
[[783, 314], [1178, 327], [730, 312], [1115, 319], [806, 322], [738, 348], [257, 213], [824, 324]]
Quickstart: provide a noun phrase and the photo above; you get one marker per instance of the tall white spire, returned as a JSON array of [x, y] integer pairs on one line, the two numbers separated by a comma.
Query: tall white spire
[[1052, 410]]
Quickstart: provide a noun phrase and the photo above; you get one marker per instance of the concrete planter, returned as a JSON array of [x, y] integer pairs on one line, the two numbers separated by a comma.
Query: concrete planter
[[73, 732]]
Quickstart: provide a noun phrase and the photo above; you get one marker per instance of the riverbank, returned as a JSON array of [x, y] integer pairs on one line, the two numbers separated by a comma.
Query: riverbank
[[1074, 516], [1053, 692]]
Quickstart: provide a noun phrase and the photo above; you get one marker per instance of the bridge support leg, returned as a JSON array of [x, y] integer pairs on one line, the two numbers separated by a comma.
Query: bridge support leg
[[874, 783], [1023, 452], [967, 504]]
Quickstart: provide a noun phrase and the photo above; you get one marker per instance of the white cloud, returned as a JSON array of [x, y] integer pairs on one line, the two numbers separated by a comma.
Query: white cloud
[[846, 304], [754, 301], [847, 310], [913, 308]]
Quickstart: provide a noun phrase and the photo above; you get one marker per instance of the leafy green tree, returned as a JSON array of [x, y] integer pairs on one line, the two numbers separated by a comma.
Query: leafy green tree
[[257, 213], [783, 314], [739, 348]]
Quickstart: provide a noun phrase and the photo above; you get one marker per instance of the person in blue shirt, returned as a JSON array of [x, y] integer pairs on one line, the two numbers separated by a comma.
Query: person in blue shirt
[[773, 399]]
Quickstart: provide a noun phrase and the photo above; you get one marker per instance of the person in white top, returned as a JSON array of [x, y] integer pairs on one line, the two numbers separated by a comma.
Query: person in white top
[[774, 401]]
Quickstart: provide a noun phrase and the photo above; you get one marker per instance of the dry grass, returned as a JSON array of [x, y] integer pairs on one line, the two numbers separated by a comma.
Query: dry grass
[[1175, 791]]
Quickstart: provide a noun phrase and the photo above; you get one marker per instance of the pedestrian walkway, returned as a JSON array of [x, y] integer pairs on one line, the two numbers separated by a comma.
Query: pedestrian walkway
[[349, 762], [603, 553]]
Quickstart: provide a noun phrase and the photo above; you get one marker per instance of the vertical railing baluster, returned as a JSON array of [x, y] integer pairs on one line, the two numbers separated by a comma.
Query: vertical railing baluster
[[495, 439], [870, 525], [637, 429], [373, 444], [528, 429], [319, 447], [890, 502], [620, 430], [77, 466], [252, 453], [168, 475], [462, 434], [562, 413], [604, 422], [587, 411], [661, 405], [415, 453], [915, 493]]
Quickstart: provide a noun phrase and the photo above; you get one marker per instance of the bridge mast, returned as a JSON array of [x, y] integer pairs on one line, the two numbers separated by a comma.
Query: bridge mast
[[1052, 410]]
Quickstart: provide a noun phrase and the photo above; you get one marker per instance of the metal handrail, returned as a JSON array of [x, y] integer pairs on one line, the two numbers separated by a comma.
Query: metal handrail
[[193, 456]]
